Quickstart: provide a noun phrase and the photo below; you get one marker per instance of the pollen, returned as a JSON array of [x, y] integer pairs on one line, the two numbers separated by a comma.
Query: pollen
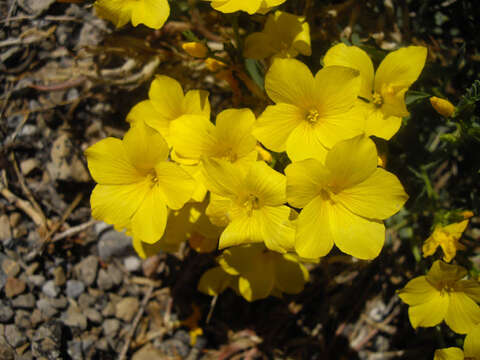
[[313, 116], [377, 100], [251, 203]]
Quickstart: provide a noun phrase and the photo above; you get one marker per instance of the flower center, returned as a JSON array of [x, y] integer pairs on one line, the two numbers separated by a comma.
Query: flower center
[[312, 116], [251, 203], [446, 288], [152, 177], [377, 100]]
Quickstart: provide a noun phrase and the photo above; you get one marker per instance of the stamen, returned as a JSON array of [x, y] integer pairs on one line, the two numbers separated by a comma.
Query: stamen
[[313, 116]]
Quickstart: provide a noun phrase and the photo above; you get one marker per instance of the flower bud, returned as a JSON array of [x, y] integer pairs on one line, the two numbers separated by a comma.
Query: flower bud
[[213, 64], [195, 49], [442, 106]]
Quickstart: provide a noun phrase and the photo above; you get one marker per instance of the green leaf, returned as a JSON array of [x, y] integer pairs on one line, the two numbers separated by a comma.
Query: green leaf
[[414, 96], [253, 69]]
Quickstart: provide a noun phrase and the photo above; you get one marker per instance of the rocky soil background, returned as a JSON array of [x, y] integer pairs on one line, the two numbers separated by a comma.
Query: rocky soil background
[[73, 288]]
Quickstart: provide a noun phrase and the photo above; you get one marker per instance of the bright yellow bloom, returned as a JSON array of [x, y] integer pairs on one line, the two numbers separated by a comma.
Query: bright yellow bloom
[[344, 200], [471, 348], [249, 6], [136, 182], [311, 113], [214, 64], [167, 103], [250, 203], [195, 49], [442, 106], [255, 273], [447, 237], [152, 13], [443, 295], [284, 35], [384, 90]]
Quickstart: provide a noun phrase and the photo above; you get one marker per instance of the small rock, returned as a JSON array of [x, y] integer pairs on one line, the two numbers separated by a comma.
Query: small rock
[[36, 317], [93, 315], [86, 300], [35, 6], [74, 288], [104, 281], [50, 289], [126, 309], [100, 227], [14, 336], [114, 244], [47, 341], [59, 303], [109, 310], [75, 349], [111, 327], [115, 274], [6, 352], [59, 276], [86, 270], [132, 263], [26, 301], [173, 347], [5, 229], [6, 313], [36, 280], [46, 308], [10, 267], [22, 319], [73, 317], [65, 163], [147, 352], [27, 166], [14, 286], [102, 344]]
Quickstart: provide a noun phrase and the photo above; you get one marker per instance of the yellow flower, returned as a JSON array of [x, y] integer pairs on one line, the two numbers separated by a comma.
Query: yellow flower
[[152, 13], [311, 113], [471, 348], [344, 200], [136, 182], [385, 90], [249, 6], [442, 106], [447, 237], [249, 202], [255, 273], [443, 295], [195, 49], [284, 35], [214, 64], [167, 103]]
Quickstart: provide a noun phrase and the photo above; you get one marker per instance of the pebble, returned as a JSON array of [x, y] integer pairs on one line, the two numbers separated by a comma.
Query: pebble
[[6, 313], [75, 349], [6, 352], [47, 340], [115, 274], [14, 287], [10, 267], [86, 300], [86, 270], [14, 336], [148, 352], [127, 308], [111, 327], [109, 310], [59, 303], [22, 319], [27, 166], [5, 229], [59, 276], [26, 301], [74, 318], [132, 263], [104, 280], [50, 289], [93, 315], [114, 244], [36, 280], [46, 308], [74, 288]]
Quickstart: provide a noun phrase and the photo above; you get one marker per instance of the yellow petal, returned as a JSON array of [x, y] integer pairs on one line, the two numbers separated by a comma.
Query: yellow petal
[[266, 183], [301, 43], [305, 179], [223, 178], [117, 11], [351, 162], [472, 343], [290, 275], [192, 136], [336, 89], [229, 6], [108, 163], [378, 197], [277, 231], [471, 288], [304, 143], [214, 281], [456, 229], [145, 250], [290, 81], [196, 102], [314, 237], [442, 106], [430, 313], [144, 147], [377, 123], [146, 112], [463, 313], [116, 204], [418, 291], [258, 279], [451, 353], [148, 223], [275, 125], [258, 46], [355, 235], [441, 272], [242, 230], [356, 58], [234, 133], [174, 183], [236, 260], [152, 13], [218, 210], [167, 97]]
